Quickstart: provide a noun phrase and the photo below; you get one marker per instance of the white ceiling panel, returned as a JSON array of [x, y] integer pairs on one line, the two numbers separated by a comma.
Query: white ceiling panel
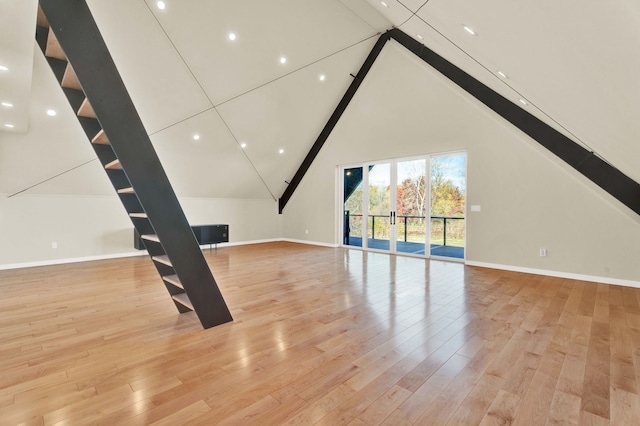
[[290, 113], [17, 30], [158, 81], [414, 5], [366, 12], [213, 166], [393, 10], [578, 62], [486, 73], [302, 31], [53, 145]]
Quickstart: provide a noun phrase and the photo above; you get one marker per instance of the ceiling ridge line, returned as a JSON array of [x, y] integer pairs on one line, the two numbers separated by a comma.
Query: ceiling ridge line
[[204, 92], [411, 11], [245, 154], [182, 120], [295, 70], [52, 177], [215, 107], [212, 107]]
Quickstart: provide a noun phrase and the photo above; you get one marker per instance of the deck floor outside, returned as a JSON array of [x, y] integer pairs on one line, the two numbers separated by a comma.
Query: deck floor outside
[[321, 336]]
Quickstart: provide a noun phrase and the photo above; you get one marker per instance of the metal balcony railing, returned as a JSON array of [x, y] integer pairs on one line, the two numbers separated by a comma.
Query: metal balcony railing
[[402, 220]]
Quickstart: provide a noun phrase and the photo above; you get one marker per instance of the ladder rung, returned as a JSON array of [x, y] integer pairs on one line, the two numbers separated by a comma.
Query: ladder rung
[[138, 215], [100, 138], [151, 237], [42, 20], [164, 259], [173, 279], [70, 79], [53, 49], [114, 165], [86, 110], [183, 299], [126, 191]]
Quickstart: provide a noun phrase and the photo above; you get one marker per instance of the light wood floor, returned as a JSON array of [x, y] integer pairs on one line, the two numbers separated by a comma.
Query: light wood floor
[[321, 335]]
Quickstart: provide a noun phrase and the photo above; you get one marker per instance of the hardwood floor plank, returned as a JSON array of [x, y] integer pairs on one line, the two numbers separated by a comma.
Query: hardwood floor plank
[[565, 409], [320, 336], [625, 408], [383, 406], [412, 408], [502, 410], [596, 396], [535, 406], [185, 415]]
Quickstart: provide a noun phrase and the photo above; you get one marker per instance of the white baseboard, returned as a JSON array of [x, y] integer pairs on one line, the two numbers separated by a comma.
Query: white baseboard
[[72, 260], [568, 275], [311, 243], [117, 255], [242, 243]]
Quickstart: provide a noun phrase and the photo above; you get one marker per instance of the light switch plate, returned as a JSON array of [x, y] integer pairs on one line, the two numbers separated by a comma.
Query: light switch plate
[[475, 208]]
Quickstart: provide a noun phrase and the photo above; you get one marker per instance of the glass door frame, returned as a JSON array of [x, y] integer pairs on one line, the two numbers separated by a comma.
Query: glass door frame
[[466, 206], [393, 204], [365, 206], [393, 187], [427, 203]]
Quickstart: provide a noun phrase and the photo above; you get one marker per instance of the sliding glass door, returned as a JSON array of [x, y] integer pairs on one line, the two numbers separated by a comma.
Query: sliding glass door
[[352, 201], [367, 220], [447, 205], [379, 222], [413, 206]]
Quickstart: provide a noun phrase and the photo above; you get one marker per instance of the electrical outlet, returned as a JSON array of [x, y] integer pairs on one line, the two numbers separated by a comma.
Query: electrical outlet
[[306, 231], [543, 252], [54, 245]]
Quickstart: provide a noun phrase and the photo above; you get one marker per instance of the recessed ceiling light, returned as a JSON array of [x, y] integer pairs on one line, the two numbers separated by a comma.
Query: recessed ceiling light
[[419, 37], [469, 30], [10, 126], [523, 102], [243, 145], [501, 74], [3, 68], [196, 137], [384, 4], [281, 151], [283, 60], [7, 104], [322, 77], [161, 5], [232, 36], [51, 113]]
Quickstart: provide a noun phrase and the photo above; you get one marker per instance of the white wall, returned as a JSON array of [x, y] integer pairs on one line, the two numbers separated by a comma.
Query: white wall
[[81, 226], [97, 226], [248, 219], [529, 198]]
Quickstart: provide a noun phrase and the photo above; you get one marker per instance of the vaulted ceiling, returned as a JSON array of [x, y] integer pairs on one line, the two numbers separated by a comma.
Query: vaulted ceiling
[[255, 117]]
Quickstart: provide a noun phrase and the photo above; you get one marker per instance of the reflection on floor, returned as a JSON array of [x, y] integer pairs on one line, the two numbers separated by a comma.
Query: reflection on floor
[[407, 247]]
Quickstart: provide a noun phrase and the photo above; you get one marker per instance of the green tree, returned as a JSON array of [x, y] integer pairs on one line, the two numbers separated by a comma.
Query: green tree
[[447, 199]]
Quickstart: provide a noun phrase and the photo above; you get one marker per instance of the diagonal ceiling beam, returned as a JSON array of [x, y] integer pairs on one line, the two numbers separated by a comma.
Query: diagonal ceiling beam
[[603, 174], [333, 120]]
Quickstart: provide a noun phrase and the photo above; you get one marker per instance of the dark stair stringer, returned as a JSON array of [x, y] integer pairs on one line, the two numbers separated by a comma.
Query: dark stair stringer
[[96, 92], [603, 174]]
